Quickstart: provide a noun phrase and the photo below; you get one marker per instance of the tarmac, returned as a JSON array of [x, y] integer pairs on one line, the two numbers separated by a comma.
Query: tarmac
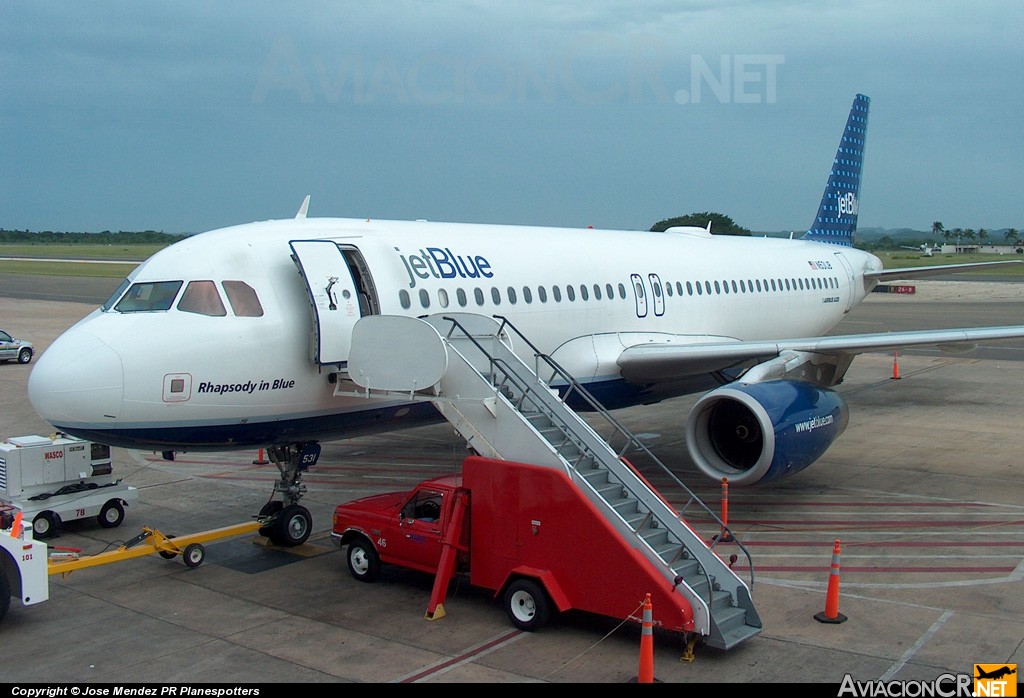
[[923, 491]]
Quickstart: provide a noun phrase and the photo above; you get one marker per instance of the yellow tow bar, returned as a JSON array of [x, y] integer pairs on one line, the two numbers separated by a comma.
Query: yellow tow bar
[[150, 541]]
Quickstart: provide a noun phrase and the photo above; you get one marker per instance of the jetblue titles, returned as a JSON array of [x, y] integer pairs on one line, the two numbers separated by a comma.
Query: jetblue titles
[[442, 263], [848, 204]]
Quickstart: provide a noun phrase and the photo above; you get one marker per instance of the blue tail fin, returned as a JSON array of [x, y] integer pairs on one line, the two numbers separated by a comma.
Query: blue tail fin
[[837, 213]]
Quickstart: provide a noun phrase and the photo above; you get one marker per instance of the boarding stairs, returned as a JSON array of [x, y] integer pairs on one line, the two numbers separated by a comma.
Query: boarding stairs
[[464, 363]]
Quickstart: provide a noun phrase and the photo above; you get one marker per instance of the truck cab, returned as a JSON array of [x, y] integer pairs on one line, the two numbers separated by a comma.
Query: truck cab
[[400, 528]]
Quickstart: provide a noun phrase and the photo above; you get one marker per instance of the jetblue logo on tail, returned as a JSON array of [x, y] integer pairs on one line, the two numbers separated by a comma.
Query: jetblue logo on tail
[[847, 205], [836, 221]]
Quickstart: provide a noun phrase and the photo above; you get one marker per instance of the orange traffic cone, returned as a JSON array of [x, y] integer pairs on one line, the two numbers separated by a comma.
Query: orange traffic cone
[[260, 460], [645, 674], [16, 526], [896, 366], [831, 613]]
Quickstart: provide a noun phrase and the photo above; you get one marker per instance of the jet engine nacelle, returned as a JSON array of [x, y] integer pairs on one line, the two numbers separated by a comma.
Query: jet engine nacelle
[[751, 433]]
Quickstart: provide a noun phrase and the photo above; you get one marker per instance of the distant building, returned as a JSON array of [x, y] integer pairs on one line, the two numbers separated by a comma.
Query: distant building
[[974, 248]]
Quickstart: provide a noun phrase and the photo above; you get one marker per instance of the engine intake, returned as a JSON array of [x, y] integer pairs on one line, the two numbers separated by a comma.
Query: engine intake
[[752, 433]]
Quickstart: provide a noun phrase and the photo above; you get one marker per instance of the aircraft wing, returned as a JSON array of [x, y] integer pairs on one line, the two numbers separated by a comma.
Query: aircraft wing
[[934, 270], [664, 361]]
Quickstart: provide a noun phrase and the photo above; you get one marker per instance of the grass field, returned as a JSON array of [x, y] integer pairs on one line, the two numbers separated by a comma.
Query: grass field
[[132, 255]]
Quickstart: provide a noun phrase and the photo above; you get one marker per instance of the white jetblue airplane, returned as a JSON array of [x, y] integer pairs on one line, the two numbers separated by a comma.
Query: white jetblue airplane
[[234, 338]]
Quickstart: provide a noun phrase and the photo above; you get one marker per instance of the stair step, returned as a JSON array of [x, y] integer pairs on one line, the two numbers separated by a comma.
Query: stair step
[[688, 569], [721, 600], [729, 619], [595, 476], [669, 550], [654, 536]]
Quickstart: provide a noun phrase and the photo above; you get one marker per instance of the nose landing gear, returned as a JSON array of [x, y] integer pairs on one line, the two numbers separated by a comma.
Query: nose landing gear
[[290, 523]]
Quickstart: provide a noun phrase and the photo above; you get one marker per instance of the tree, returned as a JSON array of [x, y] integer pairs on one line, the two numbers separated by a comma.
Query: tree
[[721, 224], [969, 233], [937, 228], [982, 234], [1011, 236]]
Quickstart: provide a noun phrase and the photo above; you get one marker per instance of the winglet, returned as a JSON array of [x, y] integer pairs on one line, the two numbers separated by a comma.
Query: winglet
[[836, 221], [303, 208]]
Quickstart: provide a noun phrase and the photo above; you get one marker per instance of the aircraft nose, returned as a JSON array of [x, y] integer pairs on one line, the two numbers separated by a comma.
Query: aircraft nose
[[77, 382]]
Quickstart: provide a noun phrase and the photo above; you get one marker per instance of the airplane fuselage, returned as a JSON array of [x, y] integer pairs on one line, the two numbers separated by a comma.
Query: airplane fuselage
[[162, 378]]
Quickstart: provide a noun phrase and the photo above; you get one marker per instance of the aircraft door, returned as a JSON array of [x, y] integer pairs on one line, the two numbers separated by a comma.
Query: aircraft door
[[658, 293], [847, 280], [333, 296], [639, 294]]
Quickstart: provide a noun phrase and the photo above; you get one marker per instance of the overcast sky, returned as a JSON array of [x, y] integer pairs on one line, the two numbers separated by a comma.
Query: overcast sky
[[189, 116]]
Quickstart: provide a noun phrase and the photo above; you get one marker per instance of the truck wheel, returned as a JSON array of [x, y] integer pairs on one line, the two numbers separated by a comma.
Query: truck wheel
[[292, 526], [5, 595], [193, 555], [527, 604], [45, 524], [363, 560], [24, 356], [111, 515]]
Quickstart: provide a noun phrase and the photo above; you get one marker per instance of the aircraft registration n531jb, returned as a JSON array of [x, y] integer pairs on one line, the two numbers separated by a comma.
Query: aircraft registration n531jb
[[235, 338]]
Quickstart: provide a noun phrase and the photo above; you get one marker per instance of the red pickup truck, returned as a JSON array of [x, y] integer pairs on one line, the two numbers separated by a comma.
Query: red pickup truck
[[523, 531]]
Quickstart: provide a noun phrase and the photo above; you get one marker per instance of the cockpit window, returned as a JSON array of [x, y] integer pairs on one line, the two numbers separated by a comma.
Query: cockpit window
[[121, 288], [142, 297], [202, 298], [243, 299]]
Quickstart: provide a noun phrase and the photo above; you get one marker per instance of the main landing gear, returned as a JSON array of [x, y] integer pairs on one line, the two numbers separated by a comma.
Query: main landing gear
[[289, 522]]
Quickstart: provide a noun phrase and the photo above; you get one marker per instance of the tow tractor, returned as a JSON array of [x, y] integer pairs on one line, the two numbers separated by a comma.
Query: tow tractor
[[52, 480]]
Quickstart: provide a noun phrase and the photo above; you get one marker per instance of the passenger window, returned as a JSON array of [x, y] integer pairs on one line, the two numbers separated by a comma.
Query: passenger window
[[243, 299], [597, 292], [461, 296], [622, 291], [609, 291], [403, 298], [570, 292], [584, 294], [511, 295], [527, 294], [202, 298], [556, 293], [147, 297], [478, 295], [424, 298], [442, 298], [495, 296], [542, 293]]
